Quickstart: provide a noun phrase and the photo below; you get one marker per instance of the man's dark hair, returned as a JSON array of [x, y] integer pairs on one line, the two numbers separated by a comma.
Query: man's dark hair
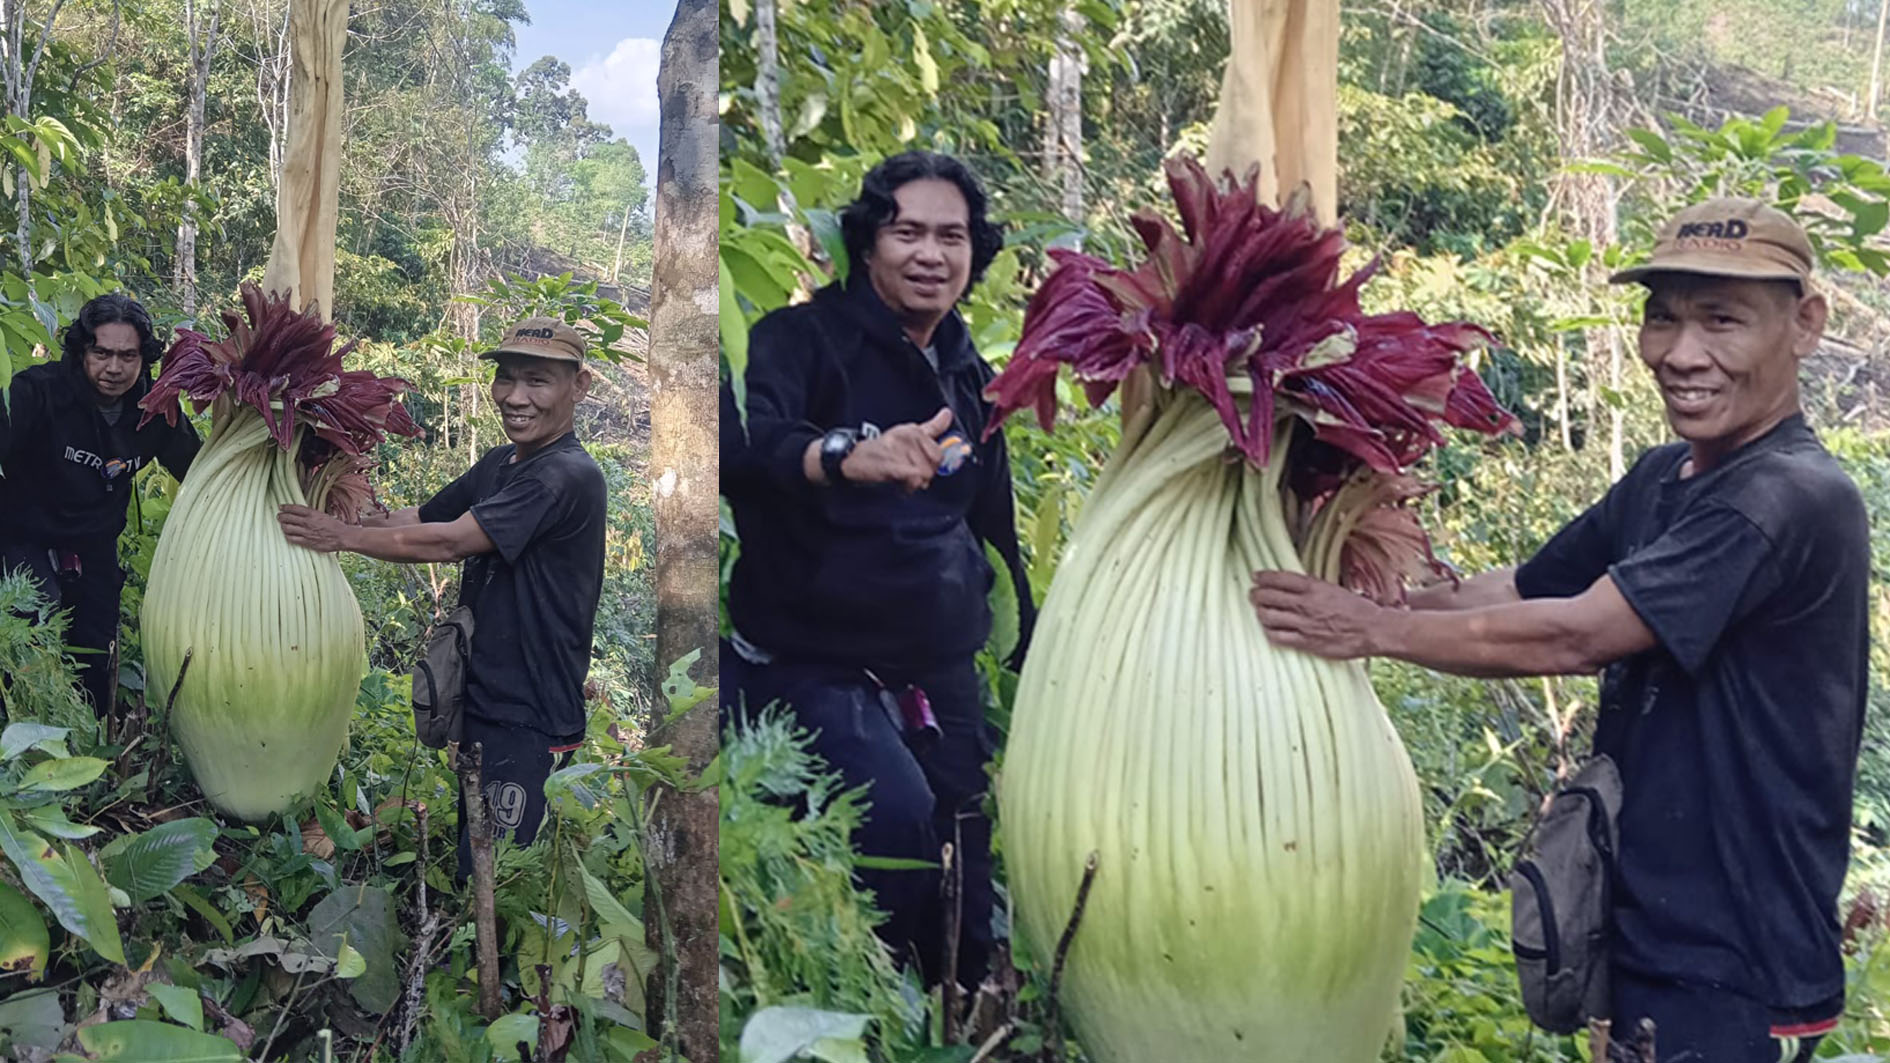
[[108, 310], [876, 208]]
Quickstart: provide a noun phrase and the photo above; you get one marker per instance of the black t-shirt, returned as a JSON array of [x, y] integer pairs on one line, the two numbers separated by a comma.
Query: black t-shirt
[[535, 600], [1737, 736]]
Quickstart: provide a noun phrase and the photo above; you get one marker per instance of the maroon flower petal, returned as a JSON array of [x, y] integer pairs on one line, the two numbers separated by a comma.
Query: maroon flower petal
[[1244, 288]]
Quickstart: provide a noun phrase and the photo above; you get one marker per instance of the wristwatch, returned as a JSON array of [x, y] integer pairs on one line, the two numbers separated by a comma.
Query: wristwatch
[[834, 448]]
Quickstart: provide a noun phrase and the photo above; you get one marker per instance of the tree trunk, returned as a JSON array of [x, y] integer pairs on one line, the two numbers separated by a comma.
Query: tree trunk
[[1585, 120], [1063, 126], [272, 80], [21, 70], [623, 230], [680, 847], [203, 46], [464, 267], [1561, 394], [768, 80], [1876, 63]]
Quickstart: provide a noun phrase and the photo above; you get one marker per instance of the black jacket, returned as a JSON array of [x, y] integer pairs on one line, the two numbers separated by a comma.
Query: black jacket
[[863, 575], [67, 474]]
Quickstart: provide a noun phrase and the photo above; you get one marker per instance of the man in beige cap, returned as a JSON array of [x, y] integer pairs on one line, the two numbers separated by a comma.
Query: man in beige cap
[[1722, 586], [528, 521]]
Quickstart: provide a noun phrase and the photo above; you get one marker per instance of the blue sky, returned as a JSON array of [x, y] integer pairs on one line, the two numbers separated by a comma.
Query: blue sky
[[612, 47]]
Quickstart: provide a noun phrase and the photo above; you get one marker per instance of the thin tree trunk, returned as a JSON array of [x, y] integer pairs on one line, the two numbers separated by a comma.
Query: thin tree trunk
[[623, 230], [768, 80], [278, 112], [464, 269], [1561, 394], [1063, 126], [21, 70], [1876, 63], [203, 46], [680, 846], [272, 78], [1585, 118]]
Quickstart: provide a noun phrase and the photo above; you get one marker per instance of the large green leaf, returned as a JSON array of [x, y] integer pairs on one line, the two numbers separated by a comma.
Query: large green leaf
[[1003, 601], [617, 922], [365, 916], [1652, 143], [181, 1003], [928, 66], [63, 773], [147, 864], [24, 943], [778, 1034], [508, 1031], [1870, 219], [754, 280], [204, 908], [20, 737], [734, 328], [825, 225], [66, 883], [51, 819], [34, 1018], [156, 1042], [95, 900]]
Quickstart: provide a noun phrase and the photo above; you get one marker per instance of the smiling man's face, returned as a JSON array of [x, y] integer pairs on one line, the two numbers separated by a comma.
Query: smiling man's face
[[1725, 352], [537, 398], [921, 260]]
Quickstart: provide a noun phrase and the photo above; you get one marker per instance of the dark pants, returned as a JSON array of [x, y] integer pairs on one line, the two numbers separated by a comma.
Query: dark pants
[[514, 764], [917, 801], [92, 597], [1695, 1024]]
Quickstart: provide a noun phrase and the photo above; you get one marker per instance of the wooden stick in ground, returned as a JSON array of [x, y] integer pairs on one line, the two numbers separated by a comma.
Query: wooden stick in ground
[[993, 1042], [413, 997], [423, 950], [1053, 1036], [948, 976], [479, 835]]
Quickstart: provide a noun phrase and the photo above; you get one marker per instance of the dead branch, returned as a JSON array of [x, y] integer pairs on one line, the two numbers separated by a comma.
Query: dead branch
[[479, 836], [1053, 1037], [954, 911]]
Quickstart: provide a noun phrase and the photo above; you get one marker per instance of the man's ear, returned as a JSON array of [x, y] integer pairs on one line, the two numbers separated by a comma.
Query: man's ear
[[1808, 321], [583, 382]]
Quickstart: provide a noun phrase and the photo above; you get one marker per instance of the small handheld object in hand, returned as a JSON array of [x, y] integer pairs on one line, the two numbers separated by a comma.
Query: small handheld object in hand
[[957, 452]]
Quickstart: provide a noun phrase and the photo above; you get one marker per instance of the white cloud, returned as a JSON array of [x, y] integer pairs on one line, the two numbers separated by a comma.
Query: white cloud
[[621, 88]]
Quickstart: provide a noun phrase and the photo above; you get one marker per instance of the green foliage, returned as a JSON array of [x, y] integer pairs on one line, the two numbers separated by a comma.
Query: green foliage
[[796, 931]]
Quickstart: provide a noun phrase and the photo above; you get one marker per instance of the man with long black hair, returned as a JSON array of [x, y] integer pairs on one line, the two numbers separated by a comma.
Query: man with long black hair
[[865, 499], [69, 447]]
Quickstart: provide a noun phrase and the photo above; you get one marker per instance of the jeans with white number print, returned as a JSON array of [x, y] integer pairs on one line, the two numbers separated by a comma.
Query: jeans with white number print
[[516, 761]]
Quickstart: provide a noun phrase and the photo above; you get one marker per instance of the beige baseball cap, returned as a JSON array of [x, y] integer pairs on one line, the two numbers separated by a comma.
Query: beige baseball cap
[[1729, 237], [541, 337]]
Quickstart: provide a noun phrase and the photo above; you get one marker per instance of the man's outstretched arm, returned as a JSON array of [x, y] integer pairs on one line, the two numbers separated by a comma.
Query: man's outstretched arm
[[410, 543], [1495, 587], [1542, 636], [399, 518]]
